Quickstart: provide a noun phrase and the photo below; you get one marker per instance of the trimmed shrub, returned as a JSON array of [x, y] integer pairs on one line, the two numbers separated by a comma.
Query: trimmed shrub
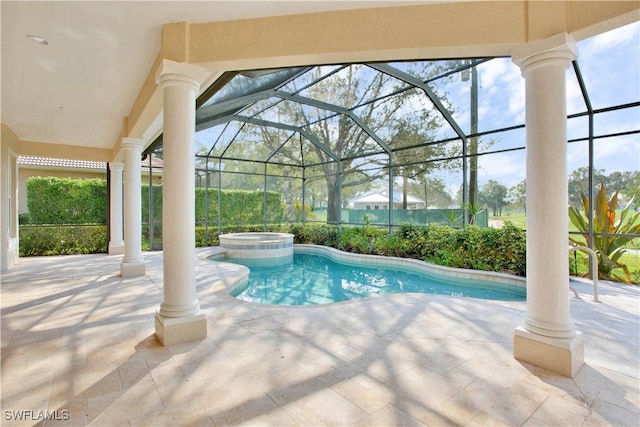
[[360, 239], [157, 203], [501, 250], [53, 200], [62, 240], [315, 234], [238, 206], [206, 237]]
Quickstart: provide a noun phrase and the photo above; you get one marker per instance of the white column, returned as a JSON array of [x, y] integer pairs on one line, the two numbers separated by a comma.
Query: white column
[[179, 318], [116, 243], [547, 338], [132, 263]]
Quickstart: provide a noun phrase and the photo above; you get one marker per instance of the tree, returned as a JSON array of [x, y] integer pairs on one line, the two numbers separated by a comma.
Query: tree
[[579, 183], [627, 183], [634, 187], [493, 194], [413, 167], [433, 191], [372, 107], [517, 195]]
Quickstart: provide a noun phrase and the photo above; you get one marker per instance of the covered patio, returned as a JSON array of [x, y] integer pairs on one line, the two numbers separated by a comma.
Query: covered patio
[[74, 349], [148, 339]]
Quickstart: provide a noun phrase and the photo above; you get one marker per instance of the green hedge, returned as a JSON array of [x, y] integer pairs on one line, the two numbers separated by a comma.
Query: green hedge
[[57, 201], [84, 201], [315, 234], [38, 240], [501, 250], [239, 205], [157, 203], [66, 201], [490, 249], [472, 247]]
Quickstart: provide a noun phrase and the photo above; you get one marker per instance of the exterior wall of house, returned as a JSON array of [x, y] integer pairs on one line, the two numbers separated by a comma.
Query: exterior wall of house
[[64, 151]]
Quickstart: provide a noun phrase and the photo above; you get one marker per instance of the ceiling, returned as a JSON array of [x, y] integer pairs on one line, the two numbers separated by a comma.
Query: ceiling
[[78, 89]]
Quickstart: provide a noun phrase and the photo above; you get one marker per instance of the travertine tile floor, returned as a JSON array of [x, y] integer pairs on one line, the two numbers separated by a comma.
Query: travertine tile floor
[[78, 345]]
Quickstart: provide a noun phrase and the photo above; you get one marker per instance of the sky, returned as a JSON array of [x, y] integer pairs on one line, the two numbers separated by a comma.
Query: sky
[[610, 65]]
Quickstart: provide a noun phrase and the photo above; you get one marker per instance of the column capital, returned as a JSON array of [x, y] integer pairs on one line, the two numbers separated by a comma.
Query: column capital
[[116, 166], [560, 48], [172, 73], [132, 144]]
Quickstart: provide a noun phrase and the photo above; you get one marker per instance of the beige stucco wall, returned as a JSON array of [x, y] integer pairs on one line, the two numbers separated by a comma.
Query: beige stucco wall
[[62, 151], [438, 30]]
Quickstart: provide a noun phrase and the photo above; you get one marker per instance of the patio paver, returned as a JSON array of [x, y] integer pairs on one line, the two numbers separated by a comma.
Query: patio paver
[[78, 343]]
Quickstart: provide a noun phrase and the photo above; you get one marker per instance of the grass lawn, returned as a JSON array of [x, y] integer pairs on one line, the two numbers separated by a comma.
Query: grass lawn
[[520, 220], [516, 218]]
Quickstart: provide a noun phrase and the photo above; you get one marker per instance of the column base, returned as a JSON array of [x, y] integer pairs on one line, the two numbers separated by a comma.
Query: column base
[[132, 269], [116, 248], [177, 330], [564, 356]]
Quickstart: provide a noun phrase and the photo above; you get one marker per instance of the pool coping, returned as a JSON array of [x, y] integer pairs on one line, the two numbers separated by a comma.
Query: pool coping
[[224, 287]]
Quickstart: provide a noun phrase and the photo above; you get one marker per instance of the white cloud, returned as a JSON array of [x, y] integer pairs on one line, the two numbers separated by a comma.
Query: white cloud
[[577, 156], [609, 64], [506, 168], [502, 97], [611, 154], [604, 42], [492, 71], [619, 154]]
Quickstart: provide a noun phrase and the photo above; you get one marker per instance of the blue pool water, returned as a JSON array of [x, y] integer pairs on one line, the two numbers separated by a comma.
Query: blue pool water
[[316, 279]]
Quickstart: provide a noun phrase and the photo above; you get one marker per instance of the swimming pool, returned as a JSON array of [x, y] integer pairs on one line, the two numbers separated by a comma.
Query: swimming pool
[[313, 278]]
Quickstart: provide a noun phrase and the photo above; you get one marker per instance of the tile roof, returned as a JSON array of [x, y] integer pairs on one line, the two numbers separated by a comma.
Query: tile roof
[[46, 162]]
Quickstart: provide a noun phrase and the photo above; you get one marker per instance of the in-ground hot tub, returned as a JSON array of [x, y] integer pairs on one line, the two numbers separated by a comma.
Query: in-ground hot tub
[[257, 245]]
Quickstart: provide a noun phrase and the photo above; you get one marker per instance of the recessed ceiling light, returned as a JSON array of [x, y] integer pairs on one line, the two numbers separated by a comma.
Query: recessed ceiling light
[[38, 39]]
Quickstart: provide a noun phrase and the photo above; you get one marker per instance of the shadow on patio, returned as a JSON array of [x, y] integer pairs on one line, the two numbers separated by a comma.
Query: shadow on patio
[[77, 338]]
